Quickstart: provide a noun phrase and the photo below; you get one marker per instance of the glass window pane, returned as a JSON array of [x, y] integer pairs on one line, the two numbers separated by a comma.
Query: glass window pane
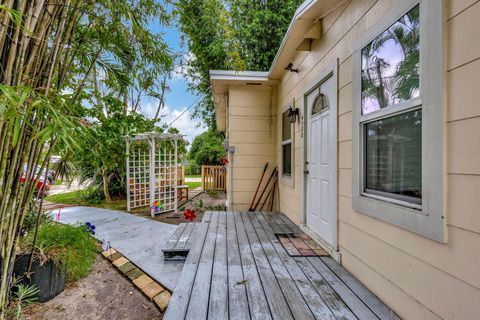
[[286, 127], [390, 64], [287, 159], [393, 156], [320, 103]]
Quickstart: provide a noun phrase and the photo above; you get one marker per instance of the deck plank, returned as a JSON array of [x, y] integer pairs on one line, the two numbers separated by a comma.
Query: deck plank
[[318, 306], [175, 236], [181, 296], [218, 305], [182, 240], [193, 236], [371, 300], [293, 296], [238, 269], [334, 302], [278, 305], [347, 295], [286, 223], [237, 294], [257, 300], [198, 309], [277, 224], [273, 224]]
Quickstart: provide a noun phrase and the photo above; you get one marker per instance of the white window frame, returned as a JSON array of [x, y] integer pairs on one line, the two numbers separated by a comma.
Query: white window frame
[[287, 179], [428, 218]]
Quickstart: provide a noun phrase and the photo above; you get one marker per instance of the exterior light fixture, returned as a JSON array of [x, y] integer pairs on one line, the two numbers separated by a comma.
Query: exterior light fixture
[[290, 68], [292, 114]]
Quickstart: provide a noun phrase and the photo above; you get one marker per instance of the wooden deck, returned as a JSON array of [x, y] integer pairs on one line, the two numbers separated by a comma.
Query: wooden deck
[[181, 242], [237, 269]]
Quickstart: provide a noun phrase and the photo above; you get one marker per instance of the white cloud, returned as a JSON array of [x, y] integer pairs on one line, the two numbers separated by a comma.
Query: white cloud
[[183, 122], [183, 71]]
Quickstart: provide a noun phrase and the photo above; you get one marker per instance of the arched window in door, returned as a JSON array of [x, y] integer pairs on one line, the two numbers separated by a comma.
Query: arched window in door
[[320, 103]]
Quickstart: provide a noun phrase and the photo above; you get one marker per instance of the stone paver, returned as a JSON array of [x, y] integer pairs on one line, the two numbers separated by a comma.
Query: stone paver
[[162, 300], [134, 273], [139, 239], [152, 289], [120, 262], [126, 267], [142, 281], [108, 253]]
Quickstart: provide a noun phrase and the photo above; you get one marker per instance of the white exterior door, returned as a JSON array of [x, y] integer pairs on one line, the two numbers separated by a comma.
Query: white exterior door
[[320, 166]]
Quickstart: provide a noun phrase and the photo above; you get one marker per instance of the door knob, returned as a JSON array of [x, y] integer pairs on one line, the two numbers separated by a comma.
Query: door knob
[[305, 171]]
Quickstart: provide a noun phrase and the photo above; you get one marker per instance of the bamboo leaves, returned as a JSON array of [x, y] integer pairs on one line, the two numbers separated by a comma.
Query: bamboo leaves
[[59, 56]]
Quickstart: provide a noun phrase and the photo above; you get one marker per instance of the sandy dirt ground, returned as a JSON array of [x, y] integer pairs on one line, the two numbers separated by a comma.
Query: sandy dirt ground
[[103, 294]]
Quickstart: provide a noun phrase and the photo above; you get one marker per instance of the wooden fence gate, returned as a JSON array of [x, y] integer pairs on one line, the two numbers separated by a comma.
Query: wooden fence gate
[[214, 178]]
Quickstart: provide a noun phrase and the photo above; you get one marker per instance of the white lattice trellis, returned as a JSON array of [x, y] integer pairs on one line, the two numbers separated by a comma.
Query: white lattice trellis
[[152, 171]]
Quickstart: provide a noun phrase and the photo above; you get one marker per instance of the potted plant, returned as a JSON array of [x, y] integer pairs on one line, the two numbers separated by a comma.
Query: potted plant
[[59, 254]]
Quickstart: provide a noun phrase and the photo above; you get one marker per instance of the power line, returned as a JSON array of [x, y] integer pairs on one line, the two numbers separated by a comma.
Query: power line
[[193, 104]]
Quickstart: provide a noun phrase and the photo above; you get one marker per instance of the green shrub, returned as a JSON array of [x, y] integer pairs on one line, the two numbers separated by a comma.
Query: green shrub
[[31, 218], [71, 247], [192, 168]]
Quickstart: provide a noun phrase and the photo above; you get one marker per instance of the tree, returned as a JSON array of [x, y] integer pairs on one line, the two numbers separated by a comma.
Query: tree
[[247, 39], [56, 57], [259, 27], [101, 159], [207, 148]]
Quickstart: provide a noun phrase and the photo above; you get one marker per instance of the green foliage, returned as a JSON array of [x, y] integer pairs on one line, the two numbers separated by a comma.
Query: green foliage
[[31, 218], [90, 197], [201, 206], [71, 247], [192, 168], [212, 193], [193, 185], [207, 148], [103, 155], [230, 34], [24, 296], [58, 59], [259, 27]]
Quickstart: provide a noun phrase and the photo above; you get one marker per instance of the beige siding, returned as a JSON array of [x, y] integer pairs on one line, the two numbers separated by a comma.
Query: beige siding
[[252, 132], [417, 277]]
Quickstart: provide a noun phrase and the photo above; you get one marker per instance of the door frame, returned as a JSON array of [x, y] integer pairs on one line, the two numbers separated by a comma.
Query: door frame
[[330, 71]]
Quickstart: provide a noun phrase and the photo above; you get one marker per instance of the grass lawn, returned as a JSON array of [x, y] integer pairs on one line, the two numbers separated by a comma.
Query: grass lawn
[[77, 198], [193, 185], [193, 176]]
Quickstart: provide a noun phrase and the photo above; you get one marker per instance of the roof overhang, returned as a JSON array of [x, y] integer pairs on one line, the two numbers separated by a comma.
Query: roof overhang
[[221, 80], [306, 26]]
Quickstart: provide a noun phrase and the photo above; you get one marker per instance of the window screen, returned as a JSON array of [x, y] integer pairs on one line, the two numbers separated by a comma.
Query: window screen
[[286, 145]]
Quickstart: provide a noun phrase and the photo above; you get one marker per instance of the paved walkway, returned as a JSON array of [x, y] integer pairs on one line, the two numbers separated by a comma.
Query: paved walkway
[[139, 239]]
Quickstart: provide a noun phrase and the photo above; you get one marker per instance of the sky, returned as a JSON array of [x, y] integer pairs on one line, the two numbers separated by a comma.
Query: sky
[[178, 98]]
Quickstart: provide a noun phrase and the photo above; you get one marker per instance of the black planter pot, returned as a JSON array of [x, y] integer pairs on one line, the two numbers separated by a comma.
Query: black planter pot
[[48, 278]]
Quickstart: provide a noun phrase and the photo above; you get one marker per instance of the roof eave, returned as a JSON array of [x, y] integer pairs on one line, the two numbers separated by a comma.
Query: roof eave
[[221, 80], [308, 14]]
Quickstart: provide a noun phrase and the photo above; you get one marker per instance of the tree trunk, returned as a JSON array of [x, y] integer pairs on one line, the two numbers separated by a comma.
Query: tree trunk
[[106, 191]]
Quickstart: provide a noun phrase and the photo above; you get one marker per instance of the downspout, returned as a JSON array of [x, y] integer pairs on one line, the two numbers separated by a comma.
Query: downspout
[[231, 150]]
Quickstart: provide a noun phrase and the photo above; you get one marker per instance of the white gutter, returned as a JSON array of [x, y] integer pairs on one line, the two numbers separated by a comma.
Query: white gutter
[[238, 75]]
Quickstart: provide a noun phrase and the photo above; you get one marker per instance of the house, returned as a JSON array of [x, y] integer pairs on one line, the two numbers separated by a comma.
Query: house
[[382, 164]]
